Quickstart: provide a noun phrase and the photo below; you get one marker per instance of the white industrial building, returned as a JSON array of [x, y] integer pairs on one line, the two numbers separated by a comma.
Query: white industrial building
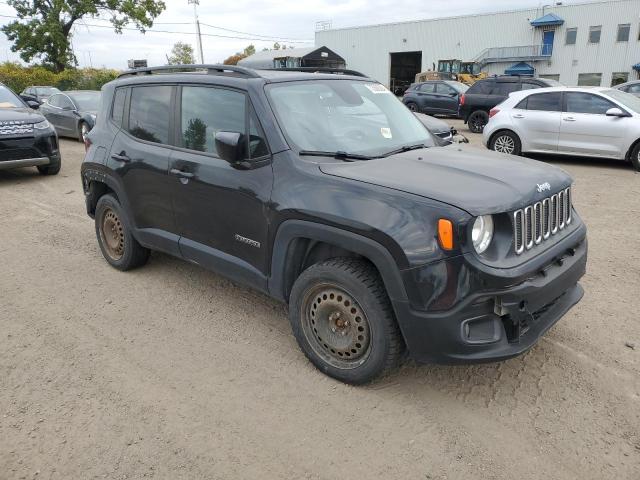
[[595, 43]]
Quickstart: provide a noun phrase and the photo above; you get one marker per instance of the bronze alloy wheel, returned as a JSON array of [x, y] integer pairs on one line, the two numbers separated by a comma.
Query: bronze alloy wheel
[[112, 233], [336, 327]]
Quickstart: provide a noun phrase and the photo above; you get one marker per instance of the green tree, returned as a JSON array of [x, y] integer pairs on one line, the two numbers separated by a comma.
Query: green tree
[[182, 54], [43, 30], [248, 51], [195, 136]]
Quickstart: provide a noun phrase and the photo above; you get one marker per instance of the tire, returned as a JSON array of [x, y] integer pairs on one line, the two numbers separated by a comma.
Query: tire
[[344, 303], [635, 157], [505, 141], [83, 129], [117, 244], [477, 121], [413, 107], [51, 169]]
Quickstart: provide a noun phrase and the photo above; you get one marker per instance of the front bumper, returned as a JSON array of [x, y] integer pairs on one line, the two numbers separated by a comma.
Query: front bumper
[[496, 324], [29, 151]]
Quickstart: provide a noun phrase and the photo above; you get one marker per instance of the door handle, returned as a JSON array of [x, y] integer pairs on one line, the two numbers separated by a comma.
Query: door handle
[[121, 157], [568, 119], [518, 115], [181, 173]]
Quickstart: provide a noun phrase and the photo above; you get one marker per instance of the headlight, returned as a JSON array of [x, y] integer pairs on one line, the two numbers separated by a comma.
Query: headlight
[[42, 125], [482, 233]]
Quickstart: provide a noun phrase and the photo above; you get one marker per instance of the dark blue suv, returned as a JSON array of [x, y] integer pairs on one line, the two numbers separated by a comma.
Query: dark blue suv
[[434, 97]]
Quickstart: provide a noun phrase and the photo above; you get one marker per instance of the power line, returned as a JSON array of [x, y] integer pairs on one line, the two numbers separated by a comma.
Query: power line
[[268, 37], [183, 33]]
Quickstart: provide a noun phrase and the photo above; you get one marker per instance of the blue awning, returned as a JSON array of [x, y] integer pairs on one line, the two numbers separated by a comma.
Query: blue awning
[[636, 67], [547, 20], [521, 68]]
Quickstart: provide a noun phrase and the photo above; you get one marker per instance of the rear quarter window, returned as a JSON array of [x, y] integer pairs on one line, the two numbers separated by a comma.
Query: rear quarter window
[[117, 112]]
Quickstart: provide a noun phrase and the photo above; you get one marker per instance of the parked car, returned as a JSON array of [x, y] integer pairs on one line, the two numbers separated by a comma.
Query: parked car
[[443, 134], [26, 137], [483, 95], [594, 122], [72, 113], [39, 93], [632, 87], [377, 242], [434, 97]]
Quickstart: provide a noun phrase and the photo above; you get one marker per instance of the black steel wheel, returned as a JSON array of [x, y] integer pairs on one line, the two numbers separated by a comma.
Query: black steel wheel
[[342, 319], [635, 157]]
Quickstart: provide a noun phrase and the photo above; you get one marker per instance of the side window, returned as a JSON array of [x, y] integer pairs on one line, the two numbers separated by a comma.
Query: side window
[[149, 113], [54, 100], [481, 87], [117, 112], [207, 111], [635, 88], [257, 144], [578, 102], [446, 89], [427, 88], [505, 88], [544, 102], [64, 102]]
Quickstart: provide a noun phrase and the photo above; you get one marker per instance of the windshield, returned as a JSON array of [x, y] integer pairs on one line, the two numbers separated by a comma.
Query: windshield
[[629, 101], [345, 116], [86, 101], [8, 99], [46, 91]]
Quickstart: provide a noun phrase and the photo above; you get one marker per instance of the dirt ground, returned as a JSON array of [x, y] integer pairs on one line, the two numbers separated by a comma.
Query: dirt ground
[[173, 372]]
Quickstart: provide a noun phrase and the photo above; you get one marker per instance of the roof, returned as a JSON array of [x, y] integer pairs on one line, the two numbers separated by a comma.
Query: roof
[[547, 20]]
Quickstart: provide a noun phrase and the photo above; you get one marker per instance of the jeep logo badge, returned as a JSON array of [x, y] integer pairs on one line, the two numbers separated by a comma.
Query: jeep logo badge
[[543, 187]]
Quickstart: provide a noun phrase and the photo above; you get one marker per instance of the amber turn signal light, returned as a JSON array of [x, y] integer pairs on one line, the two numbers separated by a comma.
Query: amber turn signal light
[[445, 234]]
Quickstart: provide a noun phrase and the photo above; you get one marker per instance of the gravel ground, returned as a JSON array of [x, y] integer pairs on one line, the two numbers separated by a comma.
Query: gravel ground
[[174, 372]]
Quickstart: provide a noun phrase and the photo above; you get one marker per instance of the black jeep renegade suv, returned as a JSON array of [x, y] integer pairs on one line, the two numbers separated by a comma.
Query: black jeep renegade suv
[[325, 192]]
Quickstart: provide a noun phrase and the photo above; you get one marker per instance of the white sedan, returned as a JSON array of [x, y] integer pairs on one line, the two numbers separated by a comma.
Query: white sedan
[[590, 122]]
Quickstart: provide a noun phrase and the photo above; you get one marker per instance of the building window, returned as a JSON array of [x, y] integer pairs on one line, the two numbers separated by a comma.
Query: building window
[[594, 34], [551, 76], [623, 32], [618, 78], [589, 79], [570, 39]]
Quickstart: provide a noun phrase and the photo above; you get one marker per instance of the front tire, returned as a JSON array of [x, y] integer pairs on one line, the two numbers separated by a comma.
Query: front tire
[[83, 130], [413, 107], [477, 121], [342, 319], [119, 248], [635, 157], [51, 169], [507, 142]]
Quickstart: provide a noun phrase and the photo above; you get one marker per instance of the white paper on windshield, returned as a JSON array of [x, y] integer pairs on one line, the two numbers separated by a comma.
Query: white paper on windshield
[[376, 88], [386, 132]]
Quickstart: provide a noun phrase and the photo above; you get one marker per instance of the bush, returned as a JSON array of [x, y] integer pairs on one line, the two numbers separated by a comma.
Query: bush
[[18, 77]]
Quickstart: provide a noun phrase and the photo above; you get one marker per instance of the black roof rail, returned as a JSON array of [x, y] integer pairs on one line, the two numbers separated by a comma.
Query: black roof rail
[[214, 69], [335, 71]]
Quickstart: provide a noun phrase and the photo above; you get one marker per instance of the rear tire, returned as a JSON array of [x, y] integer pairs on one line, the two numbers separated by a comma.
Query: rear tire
[[635, 157], [342, 319], [119, 248], [51, 169], [413, 107], [505, 141], [477, 121]]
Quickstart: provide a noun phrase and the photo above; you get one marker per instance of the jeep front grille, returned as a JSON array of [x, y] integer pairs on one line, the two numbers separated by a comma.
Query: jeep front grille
[[536, 223]]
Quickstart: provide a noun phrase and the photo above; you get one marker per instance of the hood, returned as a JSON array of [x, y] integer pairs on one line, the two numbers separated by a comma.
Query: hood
[[478, 181], [21, 115], [433, 124]]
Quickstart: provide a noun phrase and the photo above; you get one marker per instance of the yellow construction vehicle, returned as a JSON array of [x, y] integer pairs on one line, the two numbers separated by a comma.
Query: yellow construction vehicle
[[465, 72]]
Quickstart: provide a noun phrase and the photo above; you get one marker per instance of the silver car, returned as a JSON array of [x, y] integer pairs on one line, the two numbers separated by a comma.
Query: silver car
[[590, 122], [632, 87]]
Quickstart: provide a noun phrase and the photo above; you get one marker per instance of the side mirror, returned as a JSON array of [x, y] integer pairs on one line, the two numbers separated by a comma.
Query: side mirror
[[33, 104], [616, 112], [231, 146]]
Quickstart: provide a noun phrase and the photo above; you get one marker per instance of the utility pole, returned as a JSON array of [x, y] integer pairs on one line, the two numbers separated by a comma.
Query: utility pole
[[195, 14]]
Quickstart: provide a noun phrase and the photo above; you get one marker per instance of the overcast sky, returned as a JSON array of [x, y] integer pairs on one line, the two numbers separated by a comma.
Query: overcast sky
[[285, 19]]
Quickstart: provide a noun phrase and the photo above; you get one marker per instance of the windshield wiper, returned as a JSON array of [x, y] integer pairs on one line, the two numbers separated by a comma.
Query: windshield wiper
[[339, 155], [406, 148]]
